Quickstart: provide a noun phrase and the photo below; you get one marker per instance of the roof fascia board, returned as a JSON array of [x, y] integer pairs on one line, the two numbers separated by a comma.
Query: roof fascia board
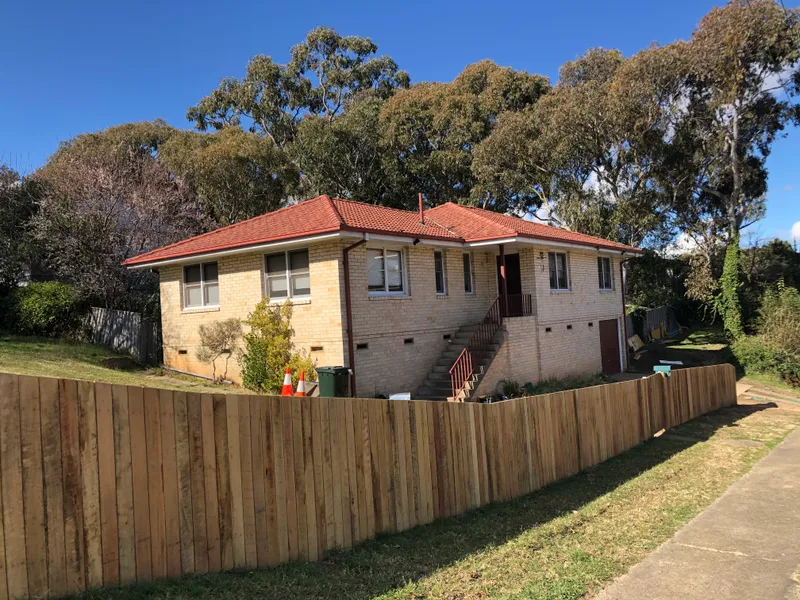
[[496, 242], [377, 237], [586, 246], [245, 249]]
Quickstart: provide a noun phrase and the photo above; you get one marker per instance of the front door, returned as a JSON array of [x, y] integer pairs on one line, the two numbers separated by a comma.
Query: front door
[[513, 284], [609, 346]]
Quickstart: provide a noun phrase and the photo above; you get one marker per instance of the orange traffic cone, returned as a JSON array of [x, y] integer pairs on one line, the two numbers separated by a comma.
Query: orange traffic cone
[[286, 390], [301, 385]]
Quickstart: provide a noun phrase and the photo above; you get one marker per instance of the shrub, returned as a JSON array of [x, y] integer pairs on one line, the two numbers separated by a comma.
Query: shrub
[[217, 339], [756, 355], [269, 349], [779, 318], [48, 309]]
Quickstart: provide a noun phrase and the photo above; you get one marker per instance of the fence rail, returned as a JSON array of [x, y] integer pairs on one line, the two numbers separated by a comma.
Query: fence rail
[[102, 485]]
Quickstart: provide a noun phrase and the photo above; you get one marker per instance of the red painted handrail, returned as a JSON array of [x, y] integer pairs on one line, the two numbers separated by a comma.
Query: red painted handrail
[[518, 305]]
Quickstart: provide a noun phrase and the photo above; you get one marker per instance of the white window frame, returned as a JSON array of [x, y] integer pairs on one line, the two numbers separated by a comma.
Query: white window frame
[[201, 286], [471, 291], [444, 272], [566, 271], [403, 267], [288, 275], [601, 260]]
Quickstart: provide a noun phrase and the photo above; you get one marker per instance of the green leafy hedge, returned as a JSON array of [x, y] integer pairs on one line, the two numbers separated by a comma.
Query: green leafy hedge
[[49, 309], [756, 356]]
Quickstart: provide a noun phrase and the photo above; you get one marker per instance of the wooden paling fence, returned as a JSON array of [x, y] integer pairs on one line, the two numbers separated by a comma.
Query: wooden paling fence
[[103, 485]]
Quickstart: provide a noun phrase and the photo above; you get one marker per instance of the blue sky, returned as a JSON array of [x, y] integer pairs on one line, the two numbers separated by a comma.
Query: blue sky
[[71, 67]]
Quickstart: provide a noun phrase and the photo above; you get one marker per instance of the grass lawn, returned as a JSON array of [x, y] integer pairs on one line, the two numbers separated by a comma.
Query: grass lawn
[[700, 347], [56, 358], [565, 541]]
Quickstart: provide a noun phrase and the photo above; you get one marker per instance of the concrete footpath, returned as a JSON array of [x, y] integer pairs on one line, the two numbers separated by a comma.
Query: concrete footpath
[[745, 545]]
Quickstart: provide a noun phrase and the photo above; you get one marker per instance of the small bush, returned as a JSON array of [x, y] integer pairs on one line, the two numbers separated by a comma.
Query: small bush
[[555, 384], [756, 355], [268, 349], [48, 309], [219, 338], [779, 318]]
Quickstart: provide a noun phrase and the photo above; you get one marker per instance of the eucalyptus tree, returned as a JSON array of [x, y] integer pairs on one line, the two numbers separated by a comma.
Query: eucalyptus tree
[[325, 72]]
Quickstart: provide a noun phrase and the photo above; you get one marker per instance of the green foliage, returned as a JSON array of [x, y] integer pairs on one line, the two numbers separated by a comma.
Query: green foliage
[[430, 131], [559, 384], [269, 349], [235, 175], [653, 280], [219, 338], [106, 197], [776, 348], [18, 196], [727, 301], [779, 318], [756, 355], [325, 73], [50, 309]]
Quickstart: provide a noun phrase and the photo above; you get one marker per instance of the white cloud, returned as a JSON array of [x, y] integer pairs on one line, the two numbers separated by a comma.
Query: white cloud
[[796, 232], [787, 188], [683, 244]]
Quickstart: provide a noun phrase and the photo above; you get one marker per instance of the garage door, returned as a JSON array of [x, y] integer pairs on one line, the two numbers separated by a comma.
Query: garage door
[[609, 346]]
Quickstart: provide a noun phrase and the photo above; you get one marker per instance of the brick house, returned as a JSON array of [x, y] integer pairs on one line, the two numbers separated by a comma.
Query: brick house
[[444, 302]]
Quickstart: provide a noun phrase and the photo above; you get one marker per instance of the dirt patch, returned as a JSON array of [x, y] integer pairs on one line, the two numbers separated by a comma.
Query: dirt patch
[[120, 363]]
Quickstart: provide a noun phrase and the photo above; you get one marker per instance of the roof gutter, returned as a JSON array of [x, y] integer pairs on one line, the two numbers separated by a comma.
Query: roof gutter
[[348, 307], [242, 250]]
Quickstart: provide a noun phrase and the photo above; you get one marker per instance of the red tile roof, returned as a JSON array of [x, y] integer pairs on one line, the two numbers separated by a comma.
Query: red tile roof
[[474, 225], [451, 222]]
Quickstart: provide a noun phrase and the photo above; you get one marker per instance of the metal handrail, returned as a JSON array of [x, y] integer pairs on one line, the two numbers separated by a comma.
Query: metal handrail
[[509, 306]]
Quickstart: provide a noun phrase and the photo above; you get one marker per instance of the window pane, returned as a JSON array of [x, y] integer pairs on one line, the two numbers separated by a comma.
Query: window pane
[[438, 265], [212, 293], [609, 276], [276, 286], [375, 272], [467, 273], [276, 263], [394, 270], [210, 271], [561, 260], [301, 284], [600, 274], [298, 260], [553, 274], [194, 295], [191, 274]]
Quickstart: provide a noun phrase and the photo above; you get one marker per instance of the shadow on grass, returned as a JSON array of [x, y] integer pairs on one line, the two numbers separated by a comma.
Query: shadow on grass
[[391, 561]]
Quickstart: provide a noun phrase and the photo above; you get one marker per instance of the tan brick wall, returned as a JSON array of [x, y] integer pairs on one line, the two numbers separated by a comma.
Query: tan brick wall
[[389, 365], [518, 357], [572, 347], [584, 300], [317, 322]]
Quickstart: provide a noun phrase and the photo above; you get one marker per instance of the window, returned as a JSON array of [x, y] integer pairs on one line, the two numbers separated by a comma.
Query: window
[[438, 267], [469, 287], [604, 273], [200, 285], [287, 274], [558, 271], [385, 272]]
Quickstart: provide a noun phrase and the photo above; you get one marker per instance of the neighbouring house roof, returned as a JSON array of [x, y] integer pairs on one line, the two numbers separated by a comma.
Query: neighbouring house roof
[[323, 215]]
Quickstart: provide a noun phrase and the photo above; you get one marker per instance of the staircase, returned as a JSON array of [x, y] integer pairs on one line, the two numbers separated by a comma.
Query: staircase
[[438, 384]]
